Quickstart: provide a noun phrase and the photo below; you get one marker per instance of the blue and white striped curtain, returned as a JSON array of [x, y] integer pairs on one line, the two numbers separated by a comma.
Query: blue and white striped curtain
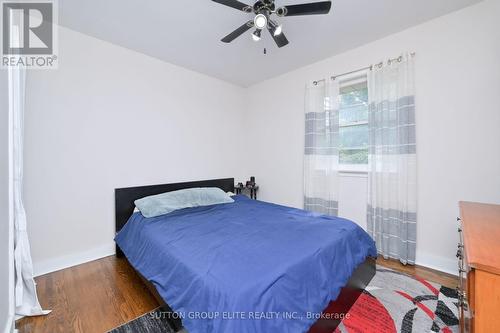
[[321, 154], [392, 179]]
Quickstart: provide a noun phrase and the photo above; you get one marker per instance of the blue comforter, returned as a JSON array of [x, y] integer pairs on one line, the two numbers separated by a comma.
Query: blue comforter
[[247, 266]]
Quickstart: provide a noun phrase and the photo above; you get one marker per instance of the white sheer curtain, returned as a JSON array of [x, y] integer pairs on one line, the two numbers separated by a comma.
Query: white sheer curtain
[[321, 154], [25, 288], [392, 192]]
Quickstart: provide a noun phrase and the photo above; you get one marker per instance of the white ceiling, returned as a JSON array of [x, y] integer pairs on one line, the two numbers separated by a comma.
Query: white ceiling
[[188, 33]]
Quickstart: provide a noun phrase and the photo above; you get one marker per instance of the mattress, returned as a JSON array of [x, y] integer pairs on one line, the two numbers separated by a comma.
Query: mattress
[[247, 266]]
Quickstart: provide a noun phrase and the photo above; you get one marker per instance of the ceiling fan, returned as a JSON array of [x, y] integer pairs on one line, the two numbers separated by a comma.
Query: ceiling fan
[[263, 9]]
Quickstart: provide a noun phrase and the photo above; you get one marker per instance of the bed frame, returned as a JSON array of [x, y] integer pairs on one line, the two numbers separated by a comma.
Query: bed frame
[[124, 207]]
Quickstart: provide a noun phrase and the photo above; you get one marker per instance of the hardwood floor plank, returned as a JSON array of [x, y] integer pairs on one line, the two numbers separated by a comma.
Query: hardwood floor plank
[[442, 278], [103, 294]]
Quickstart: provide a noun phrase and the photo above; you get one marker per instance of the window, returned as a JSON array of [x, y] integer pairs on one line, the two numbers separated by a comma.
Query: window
[[353, 124]]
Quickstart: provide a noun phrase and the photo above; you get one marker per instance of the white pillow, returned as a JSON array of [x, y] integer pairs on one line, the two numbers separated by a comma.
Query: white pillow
[[160, 204]]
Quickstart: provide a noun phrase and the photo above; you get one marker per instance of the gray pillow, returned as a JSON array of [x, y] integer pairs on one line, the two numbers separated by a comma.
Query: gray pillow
[[160, 204]]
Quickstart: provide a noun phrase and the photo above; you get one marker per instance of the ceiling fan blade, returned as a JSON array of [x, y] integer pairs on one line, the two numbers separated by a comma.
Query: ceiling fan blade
[[280, 39], [238, 32], [314, 8], [234, 4]]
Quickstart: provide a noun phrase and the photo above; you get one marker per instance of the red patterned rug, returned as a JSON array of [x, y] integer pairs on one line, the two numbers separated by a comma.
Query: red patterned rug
[[393, 302], [396, 302]]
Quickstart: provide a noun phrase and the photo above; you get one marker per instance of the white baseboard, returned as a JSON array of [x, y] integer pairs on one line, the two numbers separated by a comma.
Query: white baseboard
[[442, 264], [56, 264]]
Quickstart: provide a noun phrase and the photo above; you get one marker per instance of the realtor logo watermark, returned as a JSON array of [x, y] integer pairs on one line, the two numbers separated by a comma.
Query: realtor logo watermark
[[29, 34]]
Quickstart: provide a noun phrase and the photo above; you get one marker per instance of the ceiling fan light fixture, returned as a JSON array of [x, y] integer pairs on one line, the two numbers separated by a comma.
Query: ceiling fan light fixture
[[256, 35], [275, 28], [263, 17], [278, 30], [260, 21], [282, 11]]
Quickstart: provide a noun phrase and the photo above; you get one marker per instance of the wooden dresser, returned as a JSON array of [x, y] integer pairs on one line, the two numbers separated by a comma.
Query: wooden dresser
[[479, 267]]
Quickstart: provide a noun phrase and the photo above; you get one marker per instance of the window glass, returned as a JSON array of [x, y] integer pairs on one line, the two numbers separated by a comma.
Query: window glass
[[353, 121]]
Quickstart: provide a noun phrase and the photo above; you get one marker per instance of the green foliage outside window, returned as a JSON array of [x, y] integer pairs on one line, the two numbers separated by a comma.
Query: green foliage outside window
[[353, 121]]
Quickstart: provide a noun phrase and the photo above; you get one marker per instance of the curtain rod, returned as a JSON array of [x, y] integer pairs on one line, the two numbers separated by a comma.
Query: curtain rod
[[344, 74], [379, 65]]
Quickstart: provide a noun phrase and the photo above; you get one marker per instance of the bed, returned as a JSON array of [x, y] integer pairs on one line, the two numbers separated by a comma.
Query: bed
[[247, 266]]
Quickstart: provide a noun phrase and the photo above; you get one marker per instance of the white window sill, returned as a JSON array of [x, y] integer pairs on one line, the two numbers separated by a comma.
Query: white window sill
[[354, 170], [357, 174]]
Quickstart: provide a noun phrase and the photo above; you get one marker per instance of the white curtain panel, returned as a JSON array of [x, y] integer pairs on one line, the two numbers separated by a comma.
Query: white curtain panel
[[392, 179], [25, 288], [321, 154]]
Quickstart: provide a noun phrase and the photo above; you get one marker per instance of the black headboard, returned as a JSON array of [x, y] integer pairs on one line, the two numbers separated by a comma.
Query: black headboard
[[125, 197]]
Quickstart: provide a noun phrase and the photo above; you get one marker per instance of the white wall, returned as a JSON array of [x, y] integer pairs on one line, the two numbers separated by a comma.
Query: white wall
[[107, 118], [6, 245], [110, 117], [458, 121]]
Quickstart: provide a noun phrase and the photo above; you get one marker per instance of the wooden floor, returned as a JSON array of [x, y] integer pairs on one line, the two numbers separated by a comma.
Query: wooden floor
[[103, 294], [428, 274]]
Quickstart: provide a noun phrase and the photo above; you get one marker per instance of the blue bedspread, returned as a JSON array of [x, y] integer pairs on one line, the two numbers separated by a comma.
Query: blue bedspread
[[247, 266]]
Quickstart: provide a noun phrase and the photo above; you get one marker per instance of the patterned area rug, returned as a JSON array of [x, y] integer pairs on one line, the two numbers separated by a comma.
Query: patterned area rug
[[396, 302], [393, 302]]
